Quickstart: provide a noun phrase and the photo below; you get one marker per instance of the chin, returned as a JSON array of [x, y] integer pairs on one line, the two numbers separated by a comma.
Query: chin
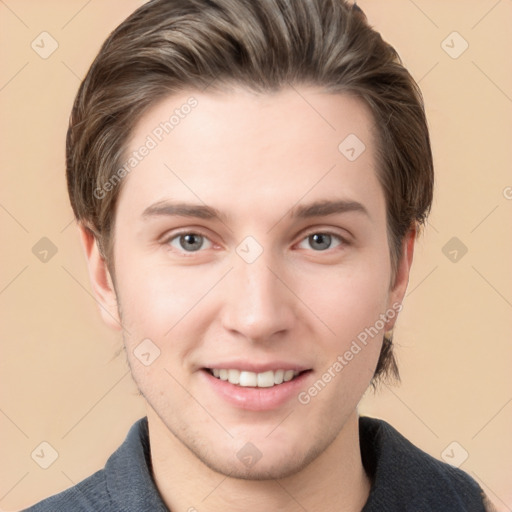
[[261, 470]]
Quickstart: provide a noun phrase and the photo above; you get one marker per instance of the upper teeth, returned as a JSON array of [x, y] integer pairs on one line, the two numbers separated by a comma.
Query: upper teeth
[[261, 380]]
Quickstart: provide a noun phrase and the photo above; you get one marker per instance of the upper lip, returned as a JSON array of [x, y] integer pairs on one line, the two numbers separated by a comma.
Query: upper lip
[[251, 366]]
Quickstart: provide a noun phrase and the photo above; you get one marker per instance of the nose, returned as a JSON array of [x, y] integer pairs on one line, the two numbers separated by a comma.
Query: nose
[[257, 305]]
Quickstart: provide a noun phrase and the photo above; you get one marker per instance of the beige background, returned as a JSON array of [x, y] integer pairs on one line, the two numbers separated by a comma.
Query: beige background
[[63, 384]]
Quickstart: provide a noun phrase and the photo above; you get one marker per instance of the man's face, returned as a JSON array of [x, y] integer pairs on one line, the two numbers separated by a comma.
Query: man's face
[[270, 284]]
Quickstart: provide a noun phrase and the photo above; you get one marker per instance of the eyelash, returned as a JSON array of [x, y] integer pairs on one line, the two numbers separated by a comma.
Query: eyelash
[[176, 236]]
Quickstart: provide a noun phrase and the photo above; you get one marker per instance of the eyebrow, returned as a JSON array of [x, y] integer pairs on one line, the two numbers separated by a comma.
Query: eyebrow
[[315, 209], [326, 207], [165, 208]]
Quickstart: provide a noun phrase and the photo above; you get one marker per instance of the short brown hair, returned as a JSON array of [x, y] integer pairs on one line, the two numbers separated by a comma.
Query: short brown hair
[[169, 46]]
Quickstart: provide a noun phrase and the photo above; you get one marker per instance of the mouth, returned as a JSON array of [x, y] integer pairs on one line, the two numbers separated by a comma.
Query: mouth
[[256, 386], [243, 378]]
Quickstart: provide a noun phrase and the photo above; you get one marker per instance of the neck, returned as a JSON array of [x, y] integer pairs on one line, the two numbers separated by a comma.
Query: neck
[[187, 484]]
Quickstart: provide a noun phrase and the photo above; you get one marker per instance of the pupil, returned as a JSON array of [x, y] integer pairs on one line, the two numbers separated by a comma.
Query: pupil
[[191, 242], [321, 240]]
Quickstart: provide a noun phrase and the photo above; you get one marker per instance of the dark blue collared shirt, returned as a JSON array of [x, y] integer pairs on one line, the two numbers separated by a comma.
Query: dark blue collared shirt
[[404, 478]]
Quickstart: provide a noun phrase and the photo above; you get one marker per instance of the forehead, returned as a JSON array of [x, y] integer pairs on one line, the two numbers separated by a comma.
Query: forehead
[[240, 150]]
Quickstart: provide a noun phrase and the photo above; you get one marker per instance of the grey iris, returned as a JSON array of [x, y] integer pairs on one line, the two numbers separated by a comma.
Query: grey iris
[[191, 242], [321, 240]]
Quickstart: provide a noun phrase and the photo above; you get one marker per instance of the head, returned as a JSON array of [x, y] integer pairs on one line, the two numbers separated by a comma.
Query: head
[[231, 105]]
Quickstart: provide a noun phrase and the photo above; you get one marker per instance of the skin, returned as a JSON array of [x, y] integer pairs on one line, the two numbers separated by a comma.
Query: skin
[[254, 158]]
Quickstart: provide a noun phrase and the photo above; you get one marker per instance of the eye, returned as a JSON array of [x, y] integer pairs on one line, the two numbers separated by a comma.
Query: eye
[[322, 241], [189, 242]]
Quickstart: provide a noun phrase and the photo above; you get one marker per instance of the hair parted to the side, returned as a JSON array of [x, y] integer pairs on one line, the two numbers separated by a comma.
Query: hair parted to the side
[[170, 46]]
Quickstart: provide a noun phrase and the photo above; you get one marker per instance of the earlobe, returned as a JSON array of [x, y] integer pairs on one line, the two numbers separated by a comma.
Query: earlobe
[[401, 278], [101, 281]]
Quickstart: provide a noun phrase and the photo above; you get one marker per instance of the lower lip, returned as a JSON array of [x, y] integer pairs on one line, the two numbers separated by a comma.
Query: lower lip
[[257, 399]]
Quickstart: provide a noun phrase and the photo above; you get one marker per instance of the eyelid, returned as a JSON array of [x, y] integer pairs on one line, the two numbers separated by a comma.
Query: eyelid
[[173, 233], [325, 231]]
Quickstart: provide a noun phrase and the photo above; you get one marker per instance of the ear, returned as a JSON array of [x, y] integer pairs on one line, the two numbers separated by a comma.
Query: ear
[[101, 280], [401, 278]]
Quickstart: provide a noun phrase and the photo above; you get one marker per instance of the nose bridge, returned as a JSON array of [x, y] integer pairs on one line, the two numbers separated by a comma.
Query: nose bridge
[[257, 305]]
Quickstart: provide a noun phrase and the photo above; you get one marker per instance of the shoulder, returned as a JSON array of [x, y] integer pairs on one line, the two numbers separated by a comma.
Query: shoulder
[[125, 484], [89, 495], [406, 478]]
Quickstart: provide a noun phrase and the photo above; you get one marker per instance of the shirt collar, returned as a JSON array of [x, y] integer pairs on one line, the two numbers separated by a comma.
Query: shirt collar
[[129, 473]]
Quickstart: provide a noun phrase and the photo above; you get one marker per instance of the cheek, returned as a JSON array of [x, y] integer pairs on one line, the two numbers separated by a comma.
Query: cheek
[[350, 304], [159, 311], [154, 299], [348, 300]]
